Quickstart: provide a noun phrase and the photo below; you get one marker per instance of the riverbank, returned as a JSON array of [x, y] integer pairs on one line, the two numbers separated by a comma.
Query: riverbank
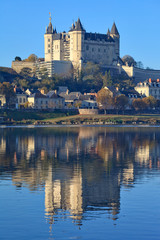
[[109, 119]]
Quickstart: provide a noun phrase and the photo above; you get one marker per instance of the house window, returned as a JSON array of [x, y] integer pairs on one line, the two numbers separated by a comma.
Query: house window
[[99, 50], [20, 100], [92, 49], [24, 100], [104, 50], [87, 47]]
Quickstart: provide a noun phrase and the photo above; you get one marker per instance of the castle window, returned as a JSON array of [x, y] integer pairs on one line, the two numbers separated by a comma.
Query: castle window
[[87, 47], [49, 51], [48, 39], [48, 45]]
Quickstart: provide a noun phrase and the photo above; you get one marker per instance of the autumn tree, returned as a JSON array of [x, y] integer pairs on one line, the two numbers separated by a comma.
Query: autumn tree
[[150, 102], [31, 58], [139, 104], [78, 104], [121, 102], [105, 99], [7, 89]]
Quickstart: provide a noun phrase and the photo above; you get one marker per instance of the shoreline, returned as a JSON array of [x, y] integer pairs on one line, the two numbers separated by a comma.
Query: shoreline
[[81, 125]]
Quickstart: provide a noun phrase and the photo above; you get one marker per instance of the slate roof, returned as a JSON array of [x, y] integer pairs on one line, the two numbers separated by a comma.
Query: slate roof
[[71, 96], [96, 36], [18, 91], [50, 29], [128, 92], [38, 95], [77, 26], [114, 29], [52, 94]]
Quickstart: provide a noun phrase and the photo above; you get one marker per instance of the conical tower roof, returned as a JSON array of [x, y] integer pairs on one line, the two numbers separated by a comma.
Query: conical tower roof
[[78, 26], [114, 29], [108, 32], [49, 29]]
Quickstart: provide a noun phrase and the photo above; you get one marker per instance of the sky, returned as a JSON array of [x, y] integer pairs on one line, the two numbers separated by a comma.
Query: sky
[[23, 24]]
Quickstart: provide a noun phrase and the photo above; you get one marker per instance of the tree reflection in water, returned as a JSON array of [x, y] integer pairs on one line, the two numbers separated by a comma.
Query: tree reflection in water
[[80, 169]]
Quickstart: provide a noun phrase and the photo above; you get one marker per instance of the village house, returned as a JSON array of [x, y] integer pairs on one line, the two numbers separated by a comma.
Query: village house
[[2, 100], [38, 101], [149, 88], [21, 97]]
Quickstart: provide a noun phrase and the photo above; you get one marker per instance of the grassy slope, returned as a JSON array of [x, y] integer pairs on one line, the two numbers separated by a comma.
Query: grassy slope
[[107, 118]]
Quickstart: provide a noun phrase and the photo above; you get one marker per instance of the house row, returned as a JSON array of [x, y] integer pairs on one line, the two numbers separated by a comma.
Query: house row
[[60, 99]]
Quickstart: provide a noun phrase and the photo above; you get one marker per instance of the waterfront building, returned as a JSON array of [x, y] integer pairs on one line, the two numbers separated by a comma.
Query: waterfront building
[[2, 100], [149, 88]]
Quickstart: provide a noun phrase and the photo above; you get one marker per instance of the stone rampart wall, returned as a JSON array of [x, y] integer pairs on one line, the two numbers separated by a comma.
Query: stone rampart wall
[[19, 65]]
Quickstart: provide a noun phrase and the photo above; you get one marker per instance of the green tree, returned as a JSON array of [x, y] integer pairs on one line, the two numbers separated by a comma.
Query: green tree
[[139, 64], [107, 79], [43, 73], [18, 58], [104, 99], [7, 89], [128, 60], [26, 72]]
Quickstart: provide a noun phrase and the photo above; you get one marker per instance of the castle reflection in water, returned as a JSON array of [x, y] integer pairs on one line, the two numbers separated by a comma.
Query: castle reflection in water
[[80, 169]]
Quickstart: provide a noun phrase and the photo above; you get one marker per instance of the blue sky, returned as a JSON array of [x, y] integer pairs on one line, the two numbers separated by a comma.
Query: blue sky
[[22, 25]]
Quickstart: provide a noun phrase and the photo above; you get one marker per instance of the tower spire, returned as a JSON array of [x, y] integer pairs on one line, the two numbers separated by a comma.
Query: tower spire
[[50, 17]]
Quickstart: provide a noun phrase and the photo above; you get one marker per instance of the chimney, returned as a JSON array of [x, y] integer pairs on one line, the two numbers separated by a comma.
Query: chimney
[[150, 80], [42, 91], [15, 87]]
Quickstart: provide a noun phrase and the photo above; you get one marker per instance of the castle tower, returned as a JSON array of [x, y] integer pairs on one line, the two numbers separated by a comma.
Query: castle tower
[[48, 42], [115, 35], [77, 44]]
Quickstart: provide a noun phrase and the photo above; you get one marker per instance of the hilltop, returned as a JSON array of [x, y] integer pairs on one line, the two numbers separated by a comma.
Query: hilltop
[[7, 74]]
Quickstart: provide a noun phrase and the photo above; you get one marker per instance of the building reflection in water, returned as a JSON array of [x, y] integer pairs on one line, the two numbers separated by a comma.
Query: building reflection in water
[[81, 169]]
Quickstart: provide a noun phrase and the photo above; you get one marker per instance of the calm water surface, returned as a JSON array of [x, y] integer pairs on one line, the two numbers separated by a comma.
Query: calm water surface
[[80, 183]]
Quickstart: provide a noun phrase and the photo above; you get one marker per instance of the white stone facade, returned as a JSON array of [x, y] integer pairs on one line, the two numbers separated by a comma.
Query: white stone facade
[[78, 47], [149, 88]]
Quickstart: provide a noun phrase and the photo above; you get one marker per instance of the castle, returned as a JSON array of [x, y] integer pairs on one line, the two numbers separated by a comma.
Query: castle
[[76, 47], [66, 52]]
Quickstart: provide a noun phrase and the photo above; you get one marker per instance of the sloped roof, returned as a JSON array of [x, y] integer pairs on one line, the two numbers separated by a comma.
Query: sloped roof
[[77, 26], [96, 36], [114, 29], [38, 95]]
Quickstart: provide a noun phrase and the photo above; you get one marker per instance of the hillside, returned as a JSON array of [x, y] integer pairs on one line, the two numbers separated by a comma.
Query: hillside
[[7, 74]]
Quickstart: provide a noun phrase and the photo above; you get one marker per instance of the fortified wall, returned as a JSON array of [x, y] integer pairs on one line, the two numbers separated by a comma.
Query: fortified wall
[[140, 75], [19, 65]]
